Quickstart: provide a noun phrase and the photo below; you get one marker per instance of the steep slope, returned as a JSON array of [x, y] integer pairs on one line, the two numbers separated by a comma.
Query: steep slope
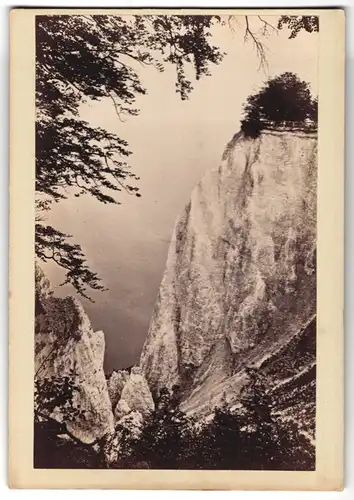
[[66, 346], [290, 376], [240, 278]]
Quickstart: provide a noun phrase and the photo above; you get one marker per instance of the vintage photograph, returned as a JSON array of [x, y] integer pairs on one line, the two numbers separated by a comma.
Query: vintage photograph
[[175, 241]]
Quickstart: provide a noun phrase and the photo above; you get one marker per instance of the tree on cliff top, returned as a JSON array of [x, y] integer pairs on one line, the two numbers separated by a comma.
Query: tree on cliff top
[[95, 57], [283, 100]]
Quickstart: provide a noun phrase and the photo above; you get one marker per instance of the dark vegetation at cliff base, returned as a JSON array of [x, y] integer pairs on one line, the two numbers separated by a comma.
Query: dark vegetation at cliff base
[[250, 438]]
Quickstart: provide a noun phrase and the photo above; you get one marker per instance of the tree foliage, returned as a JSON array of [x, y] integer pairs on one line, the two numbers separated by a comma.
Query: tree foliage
[[56, 393], [249, 438], [56, 396], [81, 58], [52, 244], [55, 406], [284, 100], [296, 24]]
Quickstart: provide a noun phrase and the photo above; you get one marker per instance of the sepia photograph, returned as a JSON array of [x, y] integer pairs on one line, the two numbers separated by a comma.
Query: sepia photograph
[[176, 242], [176, 170]]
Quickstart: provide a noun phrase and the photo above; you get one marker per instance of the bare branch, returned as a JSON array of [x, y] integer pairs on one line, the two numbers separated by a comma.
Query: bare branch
[[116, 107], [260, 47], [232, 19], [267, 25], [117, 178]]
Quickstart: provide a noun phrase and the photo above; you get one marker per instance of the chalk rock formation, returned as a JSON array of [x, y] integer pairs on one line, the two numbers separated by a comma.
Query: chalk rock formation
[[239, 288], [132, 403], [130, 392], [116, 382], [66, 346]]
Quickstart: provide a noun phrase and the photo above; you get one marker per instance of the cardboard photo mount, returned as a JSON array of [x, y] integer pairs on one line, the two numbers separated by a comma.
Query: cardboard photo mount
[[330, 285]]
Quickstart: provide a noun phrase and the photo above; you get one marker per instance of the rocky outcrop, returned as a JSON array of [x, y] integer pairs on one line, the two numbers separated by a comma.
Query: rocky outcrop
[[130, 424], [116, 382], [130, 392], [66, 347], [69, 359], [239, 288], [132, 403]]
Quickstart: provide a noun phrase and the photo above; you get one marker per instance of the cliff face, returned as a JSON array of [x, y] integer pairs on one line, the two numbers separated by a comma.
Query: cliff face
[[238, 298], [66, 346], [239, 288]]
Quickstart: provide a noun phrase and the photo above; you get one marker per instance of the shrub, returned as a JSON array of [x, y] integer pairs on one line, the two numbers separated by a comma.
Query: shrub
[[282, 100]]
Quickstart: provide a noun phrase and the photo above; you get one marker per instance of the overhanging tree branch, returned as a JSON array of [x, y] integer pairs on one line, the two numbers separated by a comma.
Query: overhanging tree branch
[[259, 46], [79, 58]]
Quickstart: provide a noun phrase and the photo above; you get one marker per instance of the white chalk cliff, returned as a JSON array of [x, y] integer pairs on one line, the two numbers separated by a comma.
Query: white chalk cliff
[[132, 403], [65, 344], [239, 288], [238, 292]]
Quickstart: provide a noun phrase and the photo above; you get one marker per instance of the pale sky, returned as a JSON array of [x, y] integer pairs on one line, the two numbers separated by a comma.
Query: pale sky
[[173, 143]]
